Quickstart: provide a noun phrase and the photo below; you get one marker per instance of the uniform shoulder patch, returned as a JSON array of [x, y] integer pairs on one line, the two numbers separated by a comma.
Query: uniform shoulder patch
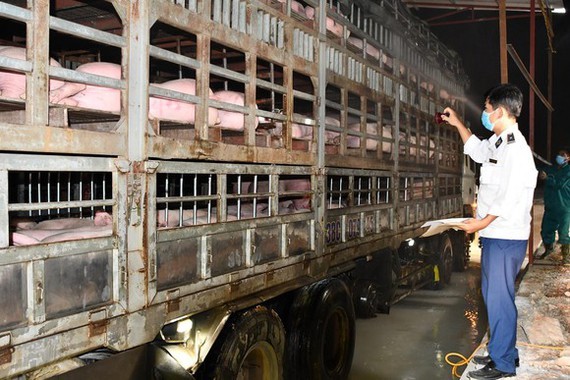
[[510, 138], [498, 142]]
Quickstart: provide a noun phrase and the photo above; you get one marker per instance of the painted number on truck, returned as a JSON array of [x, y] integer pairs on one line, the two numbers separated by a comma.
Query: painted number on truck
[[369, 224], [334, 232], [353, 228]]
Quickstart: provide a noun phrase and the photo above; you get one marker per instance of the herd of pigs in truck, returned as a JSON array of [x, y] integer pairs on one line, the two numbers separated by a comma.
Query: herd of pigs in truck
[[238, 220]]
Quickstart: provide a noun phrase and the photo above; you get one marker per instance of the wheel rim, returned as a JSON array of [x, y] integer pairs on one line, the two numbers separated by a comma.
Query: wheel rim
[[260, 363], [335, 341]]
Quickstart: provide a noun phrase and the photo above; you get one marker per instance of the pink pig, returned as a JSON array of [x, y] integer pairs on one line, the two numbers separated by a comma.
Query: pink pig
[[371, 144], [332, 25], [231, 119], [371, 51], [176, 110], [65, 229], [102, 218], [13, 84], [89, 96], [301, 185], [296, 7]]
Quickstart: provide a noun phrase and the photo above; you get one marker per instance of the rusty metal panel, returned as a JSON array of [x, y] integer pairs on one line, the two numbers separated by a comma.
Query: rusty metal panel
[[227, 252], [177, 262], [78, 283], [14, 298], [299, 236], [266, 245]]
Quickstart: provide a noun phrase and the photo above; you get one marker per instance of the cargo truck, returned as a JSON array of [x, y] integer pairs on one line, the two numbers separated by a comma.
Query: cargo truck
[[204, 189]]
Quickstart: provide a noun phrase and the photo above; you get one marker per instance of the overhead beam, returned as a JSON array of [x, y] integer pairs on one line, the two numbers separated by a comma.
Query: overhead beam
[[514, 55], [489, 6]]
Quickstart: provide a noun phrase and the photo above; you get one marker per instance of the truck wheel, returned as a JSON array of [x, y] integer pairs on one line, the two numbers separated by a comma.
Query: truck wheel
[[461, 252], [444, 265], [365, 298], [320, 343], [252, 347]]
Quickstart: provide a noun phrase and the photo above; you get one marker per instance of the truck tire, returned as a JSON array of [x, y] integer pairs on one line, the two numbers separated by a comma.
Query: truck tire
[[444, 264], [365, 298], [461, 251], [252, 347], [320, 344]]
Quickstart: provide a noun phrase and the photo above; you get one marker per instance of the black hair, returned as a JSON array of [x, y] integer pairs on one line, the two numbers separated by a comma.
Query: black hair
[[508, 96]]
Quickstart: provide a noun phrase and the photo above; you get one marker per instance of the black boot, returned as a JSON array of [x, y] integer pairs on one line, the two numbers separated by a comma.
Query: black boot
[[548, 249], [565, 250]]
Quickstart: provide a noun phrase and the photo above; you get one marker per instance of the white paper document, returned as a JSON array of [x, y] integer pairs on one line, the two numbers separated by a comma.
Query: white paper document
[[438, 226]]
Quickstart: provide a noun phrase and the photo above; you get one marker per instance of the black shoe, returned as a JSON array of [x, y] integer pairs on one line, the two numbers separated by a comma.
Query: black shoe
[[486, 359], [489, 373], [548, 249]]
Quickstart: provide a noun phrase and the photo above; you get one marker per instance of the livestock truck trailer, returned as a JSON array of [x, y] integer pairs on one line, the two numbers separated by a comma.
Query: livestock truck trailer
[[215, 189]]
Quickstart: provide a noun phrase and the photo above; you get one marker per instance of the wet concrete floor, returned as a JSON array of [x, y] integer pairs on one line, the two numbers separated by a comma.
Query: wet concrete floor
[[411, 342]]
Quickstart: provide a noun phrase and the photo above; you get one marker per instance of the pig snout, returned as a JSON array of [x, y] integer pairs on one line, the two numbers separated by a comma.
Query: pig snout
[[103, 218], [12, 84], [177, 110]]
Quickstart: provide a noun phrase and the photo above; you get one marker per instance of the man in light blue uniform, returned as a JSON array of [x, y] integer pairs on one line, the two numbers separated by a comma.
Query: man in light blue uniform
[[507, 182]]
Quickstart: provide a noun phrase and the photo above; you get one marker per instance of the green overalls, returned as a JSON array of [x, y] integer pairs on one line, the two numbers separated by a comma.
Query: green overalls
[[556, 205]]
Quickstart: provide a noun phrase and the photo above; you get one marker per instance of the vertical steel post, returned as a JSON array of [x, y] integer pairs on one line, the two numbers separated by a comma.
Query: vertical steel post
[[532, 41], [549, 112], [503, 40]]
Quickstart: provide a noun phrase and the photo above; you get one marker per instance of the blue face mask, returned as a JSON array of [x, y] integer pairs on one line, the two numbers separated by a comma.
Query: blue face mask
[[560, 160], [486, 120]]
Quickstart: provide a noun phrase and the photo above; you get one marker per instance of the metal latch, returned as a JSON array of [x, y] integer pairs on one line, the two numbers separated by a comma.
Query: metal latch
[[6, 348], [173, 298], [98, 322]]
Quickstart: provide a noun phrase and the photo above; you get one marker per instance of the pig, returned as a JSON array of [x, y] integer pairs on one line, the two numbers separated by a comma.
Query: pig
[[300, 202], [413, 147], [331, 137], [332, 26], [204, 220], [177, 110], [296, 7], [19, 239], [371, 51], [230, 119], [305, 132], [13, 84], [371, 144], [80, 233], [174, 216], [89, 96], [101, 218], [298, 131], [65, 229], [246, 210], [22, 223]]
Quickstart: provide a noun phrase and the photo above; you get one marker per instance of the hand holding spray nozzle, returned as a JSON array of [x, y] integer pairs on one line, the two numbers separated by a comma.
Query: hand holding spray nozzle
[[438, 116]]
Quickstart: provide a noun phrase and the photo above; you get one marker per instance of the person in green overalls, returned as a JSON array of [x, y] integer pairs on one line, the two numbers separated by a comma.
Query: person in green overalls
[[557, 205]]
